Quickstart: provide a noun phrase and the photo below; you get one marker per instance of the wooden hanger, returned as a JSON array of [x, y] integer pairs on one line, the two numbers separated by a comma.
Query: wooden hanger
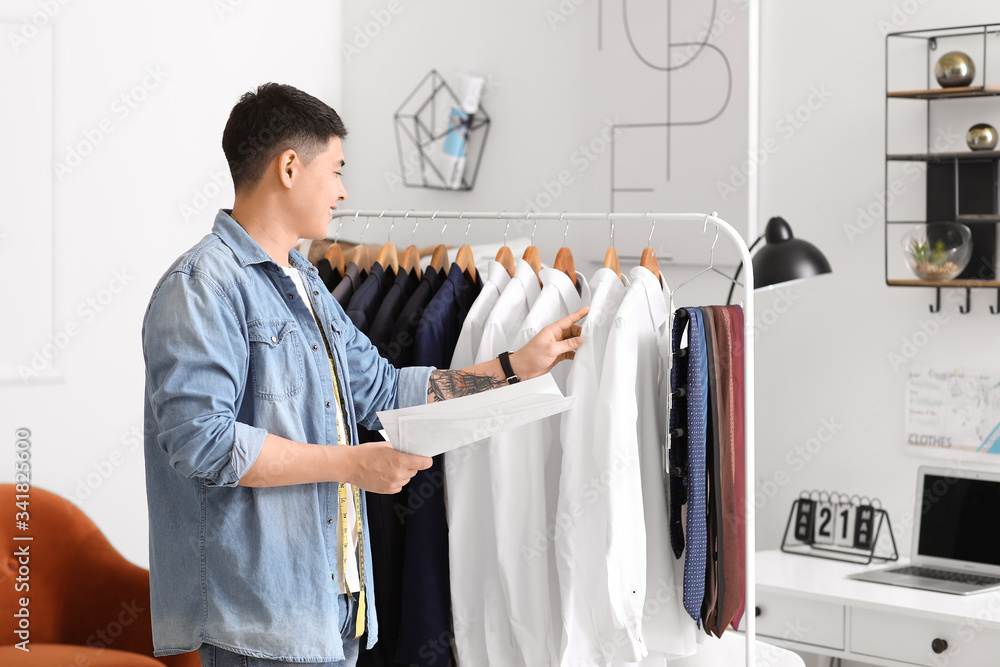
[[611, 261], [506, 259], [533, 259], [465, 261], [439, 260], [335, 255], [611, 257], [564, 262], [531, 255], [564, 258], [411, 260], [388, 258], [363, 258], [504, 256], [648, 260]]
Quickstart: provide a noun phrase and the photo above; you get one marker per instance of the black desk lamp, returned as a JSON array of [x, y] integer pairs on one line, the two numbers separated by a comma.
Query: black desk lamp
[[783, 258]]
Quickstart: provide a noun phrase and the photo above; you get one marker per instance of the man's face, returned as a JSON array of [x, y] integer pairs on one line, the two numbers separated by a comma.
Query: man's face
[[318, 189]]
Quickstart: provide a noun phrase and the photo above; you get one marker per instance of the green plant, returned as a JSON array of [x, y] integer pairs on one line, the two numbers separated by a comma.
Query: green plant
[[920, 251]]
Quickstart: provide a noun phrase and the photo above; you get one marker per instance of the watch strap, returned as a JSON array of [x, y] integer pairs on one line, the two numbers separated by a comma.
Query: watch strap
[[508, 370]]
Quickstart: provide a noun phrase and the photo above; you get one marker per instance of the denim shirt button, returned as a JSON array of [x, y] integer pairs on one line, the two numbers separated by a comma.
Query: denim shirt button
[[328, 404], [291, 296], [329, 520], [274, 339], [315, 292], [315, 347]]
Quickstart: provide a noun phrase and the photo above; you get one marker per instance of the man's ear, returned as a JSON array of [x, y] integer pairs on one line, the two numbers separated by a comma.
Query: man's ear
[[288, 164]]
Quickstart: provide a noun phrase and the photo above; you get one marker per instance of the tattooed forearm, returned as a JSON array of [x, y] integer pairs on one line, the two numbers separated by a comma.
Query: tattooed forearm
[[452, 384]]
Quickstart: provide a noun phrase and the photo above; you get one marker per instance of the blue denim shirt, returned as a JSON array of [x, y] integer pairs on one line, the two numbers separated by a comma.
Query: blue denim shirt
[[233, 354]]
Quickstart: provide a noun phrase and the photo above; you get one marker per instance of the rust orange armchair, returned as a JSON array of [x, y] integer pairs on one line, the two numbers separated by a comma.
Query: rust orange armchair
[[87, 605]]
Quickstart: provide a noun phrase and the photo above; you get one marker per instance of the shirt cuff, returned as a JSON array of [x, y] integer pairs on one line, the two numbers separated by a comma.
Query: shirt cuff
[[413, 382], [248, 442]]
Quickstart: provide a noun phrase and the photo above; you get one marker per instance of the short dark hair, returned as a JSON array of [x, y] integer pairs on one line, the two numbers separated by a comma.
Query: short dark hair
[[269, 121]]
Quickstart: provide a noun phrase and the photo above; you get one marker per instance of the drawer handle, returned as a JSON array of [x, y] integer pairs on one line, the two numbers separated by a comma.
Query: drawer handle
[[756, 611], [939, 645]]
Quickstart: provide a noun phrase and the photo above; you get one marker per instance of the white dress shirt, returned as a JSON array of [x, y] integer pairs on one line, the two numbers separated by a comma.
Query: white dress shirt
[[466, 474], [480, 608], [524, 469], [581, 515], [644, 578]]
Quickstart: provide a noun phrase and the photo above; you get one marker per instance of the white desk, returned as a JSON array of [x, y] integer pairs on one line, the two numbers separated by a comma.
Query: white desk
[[807, 604]]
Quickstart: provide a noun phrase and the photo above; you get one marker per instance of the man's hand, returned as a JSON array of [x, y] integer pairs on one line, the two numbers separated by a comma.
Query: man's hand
[[373, 466], [551, 345], [379, 468]]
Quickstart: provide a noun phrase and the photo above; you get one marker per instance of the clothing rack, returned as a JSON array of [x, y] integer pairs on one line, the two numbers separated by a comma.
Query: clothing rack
[[702, 219]]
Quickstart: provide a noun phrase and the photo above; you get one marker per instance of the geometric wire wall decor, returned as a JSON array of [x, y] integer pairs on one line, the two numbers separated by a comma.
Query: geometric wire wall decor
[[440, 137]]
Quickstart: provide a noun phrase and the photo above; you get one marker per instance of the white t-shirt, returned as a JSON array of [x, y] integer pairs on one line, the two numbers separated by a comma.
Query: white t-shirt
[[352, 577]]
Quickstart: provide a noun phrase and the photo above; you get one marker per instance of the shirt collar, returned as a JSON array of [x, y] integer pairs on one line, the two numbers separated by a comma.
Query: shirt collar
[[643, 278], [567, 290], [247, 250], [496, 274], [524, 274]]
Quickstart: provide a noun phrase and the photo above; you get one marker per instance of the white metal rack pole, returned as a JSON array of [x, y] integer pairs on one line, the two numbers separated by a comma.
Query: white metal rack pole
[[749, 613]]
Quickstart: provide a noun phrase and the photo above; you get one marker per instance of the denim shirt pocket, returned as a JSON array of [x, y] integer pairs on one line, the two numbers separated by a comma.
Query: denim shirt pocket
[[276, 365]]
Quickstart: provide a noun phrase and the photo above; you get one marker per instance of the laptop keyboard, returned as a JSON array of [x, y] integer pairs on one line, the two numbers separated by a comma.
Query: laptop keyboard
[[944, 575]]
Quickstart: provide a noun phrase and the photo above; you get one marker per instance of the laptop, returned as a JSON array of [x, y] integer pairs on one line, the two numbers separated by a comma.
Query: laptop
[[956, 536]]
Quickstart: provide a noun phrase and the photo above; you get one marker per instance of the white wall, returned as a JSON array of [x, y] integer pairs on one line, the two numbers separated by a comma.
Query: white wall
[[119, 212]]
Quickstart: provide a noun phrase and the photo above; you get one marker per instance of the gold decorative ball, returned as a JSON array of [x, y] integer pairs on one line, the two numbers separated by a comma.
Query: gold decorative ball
[[955, 69], [981, 137]]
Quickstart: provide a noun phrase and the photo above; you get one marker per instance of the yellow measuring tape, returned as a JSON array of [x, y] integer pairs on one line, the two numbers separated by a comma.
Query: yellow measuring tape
[[345, 542]]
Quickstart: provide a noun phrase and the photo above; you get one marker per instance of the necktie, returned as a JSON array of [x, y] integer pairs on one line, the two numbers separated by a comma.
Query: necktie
[[697, 415], [677, 451], [736, 335], [715, 584]]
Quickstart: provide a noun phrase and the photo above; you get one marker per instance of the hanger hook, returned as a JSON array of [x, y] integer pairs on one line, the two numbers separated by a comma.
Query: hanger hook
[[565, 229], [612, 221], [649, 241], [468, 226], [368, 222], [416, 223], [534, 226], [336, 234], [505, 229]]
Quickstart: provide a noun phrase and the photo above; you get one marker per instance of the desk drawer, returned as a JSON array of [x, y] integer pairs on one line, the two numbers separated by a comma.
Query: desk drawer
[[799, 620], [911, 639]]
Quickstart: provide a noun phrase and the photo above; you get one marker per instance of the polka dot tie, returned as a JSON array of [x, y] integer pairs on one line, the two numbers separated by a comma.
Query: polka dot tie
[[697, 518]]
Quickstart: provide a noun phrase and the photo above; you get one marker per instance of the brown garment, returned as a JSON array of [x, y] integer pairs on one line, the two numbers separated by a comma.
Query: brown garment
[[733, 511]]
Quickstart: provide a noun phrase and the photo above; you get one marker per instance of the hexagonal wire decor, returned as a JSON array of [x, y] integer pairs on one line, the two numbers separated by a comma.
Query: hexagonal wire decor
[[440, 144]]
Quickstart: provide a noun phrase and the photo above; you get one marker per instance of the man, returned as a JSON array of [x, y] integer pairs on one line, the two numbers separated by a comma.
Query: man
[[258, 533]]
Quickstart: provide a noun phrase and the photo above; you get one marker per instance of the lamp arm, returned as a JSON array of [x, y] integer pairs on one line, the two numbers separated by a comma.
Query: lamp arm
[[729, 299]]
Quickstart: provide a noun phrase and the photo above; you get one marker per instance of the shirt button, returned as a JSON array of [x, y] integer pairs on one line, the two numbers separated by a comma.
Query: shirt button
[[312, 268], [274, 339], [328, 404], [330, 520], [333, 576], [315, 347], [291, 296], [315, 293]]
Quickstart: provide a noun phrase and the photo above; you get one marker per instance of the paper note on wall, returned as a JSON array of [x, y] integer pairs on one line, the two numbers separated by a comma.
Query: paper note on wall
[[953, 409]]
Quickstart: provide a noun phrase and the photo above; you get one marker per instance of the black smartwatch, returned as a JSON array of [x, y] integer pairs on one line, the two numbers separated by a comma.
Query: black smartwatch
[[508, 370]]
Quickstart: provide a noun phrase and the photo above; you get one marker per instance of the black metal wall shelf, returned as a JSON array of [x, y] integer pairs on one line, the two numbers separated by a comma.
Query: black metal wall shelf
[[961, 186]]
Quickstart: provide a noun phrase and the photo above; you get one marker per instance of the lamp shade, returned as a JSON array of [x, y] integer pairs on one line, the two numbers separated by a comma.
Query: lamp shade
[[784, 257]]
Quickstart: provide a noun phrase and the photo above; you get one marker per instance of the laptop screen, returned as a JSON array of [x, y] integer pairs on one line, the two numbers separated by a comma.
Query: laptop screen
[[959, 519]]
